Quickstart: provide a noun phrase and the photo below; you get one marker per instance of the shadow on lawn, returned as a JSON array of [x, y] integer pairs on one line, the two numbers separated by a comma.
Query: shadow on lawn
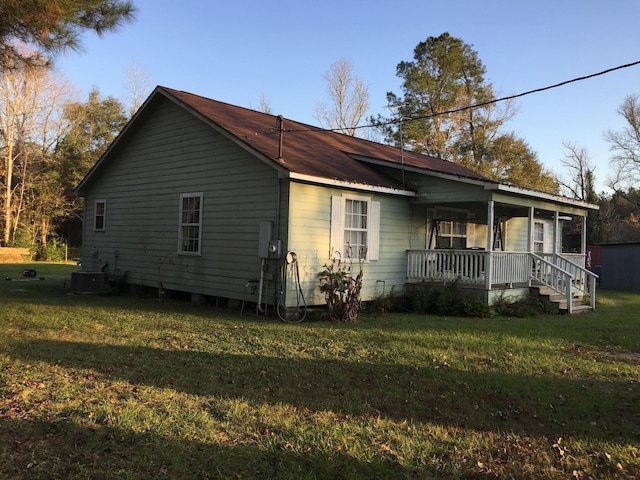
[[65, 450], [489, 401]]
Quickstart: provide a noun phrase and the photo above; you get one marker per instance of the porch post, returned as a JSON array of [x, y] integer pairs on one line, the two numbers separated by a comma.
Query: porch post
[[583, 246], [530, 240], [556, 222], [488, 270]]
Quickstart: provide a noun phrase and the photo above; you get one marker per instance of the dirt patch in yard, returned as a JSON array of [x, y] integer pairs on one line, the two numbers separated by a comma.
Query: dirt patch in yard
[[632, 357], [627, 357]]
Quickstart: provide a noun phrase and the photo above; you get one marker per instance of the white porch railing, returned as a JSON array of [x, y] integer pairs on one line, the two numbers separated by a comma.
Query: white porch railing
[[582, 280], [554, 277], [563, 273], [447, 265], [510, 267]]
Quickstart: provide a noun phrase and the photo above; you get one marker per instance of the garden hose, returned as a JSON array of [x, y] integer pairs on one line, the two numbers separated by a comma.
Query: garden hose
[[291, 314]]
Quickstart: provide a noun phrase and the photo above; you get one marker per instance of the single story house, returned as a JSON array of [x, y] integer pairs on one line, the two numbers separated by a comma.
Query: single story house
[[199, 196]]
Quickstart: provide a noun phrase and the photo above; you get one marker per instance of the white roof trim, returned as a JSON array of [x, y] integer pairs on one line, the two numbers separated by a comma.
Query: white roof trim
[[488, 184], [332, 182], [541, 195]]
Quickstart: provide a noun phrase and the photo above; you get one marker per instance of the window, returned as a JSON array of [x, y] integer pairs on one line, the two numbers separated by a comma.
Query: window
[[451, 228], [355, 225], [538, 237], [100, 215], [190, 231]]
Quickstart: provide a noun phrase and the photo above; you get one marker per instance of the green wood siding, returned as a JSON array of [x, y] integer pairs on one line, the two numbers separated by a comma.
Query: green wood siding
[[173, 153], [517, 234], [434, 190], [310, 228]]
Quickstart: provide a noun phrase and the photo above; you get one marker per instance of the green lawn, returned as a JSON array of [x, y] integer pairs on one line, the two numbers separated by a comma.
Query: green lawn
[[99, 387]]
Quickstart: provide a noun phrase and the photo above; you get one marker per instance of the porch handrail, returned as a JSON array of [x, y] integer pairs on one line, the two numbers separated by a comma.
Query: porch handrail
[[554, 277], [447, 265], [584, 280]]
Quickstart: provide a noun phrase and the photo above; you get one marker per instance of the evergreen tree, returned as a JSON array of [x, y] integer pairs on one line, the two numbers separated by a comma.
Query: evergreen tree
[[51, 26], [94, 125], [446, 75], [447, 109]]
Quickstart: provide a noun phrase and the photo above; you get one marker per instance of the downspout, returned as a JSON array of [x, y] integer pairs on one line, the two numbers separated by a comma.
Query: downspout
[[259, 308], [278, 199]]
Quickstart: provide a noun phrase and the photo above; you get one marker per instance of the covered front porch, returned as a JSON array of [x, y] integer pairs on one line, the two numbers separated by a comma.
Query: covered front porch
[[506, 271], [507, 240]]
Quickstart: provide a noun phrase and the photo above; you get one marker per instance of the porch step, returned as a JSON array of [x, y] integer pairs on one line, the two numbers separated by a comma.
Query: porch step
[[545, 293]]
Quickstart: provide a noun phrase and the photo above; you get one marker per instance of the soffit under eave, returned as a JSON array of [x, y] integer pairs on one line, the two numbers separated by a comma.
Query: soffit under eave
[[466, 195], [539, 204], [446, 191], [439, 188]]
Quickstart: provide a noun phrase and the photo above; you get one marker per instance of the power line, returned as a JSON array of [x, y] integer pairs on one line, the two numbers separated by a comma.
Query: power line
[[482, 104]]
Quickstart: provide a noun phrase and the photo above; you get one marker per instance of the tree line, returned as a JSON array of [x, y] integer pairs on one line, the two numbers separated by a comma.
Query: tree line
[[49, 139]]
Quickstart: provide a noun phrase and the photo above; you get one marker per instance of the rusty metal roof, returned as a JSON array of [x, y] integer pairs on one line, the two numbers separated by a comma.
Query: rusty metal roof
[[297, 148], [311, 150]]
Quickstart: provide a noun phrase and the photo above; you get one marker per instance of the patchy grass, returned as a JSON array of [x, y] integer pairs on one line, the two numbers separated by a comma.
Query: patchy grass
[[123, 387]]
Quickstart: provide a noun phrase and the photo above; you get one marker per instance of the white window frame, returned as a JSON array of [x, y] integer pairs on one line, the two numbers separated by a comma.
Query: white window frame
[[538, 241], [339, 227], [462, 220], [185, 244], [102, 216]]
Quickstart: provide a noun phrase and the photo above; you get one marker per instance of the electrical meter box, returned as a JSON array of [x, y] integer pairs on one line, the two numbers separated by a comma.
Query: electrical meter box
[[275, 249], [268, 247]]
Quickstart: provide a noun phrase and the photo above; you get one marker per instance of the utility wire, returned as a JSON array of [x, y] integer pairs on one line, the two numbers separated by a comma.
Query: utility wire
[[477, 105]]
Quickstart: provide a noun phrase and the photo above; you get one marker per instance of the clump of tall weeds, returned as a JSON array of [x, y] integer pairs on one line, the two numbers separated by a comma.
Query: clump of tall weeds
[[341, 288]]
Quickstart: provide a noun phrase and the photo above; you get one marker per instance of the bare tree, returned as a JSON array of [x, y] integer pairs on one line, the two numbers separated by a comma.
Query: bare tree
[[580, 170], [138, 87], [31, 103], [625, 145], [349, 99], [265, 104]]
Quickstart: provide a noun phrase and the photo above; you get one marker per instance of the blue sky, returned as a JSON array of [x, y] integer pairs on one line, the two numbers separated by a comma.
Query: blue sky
[[238, 51]]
